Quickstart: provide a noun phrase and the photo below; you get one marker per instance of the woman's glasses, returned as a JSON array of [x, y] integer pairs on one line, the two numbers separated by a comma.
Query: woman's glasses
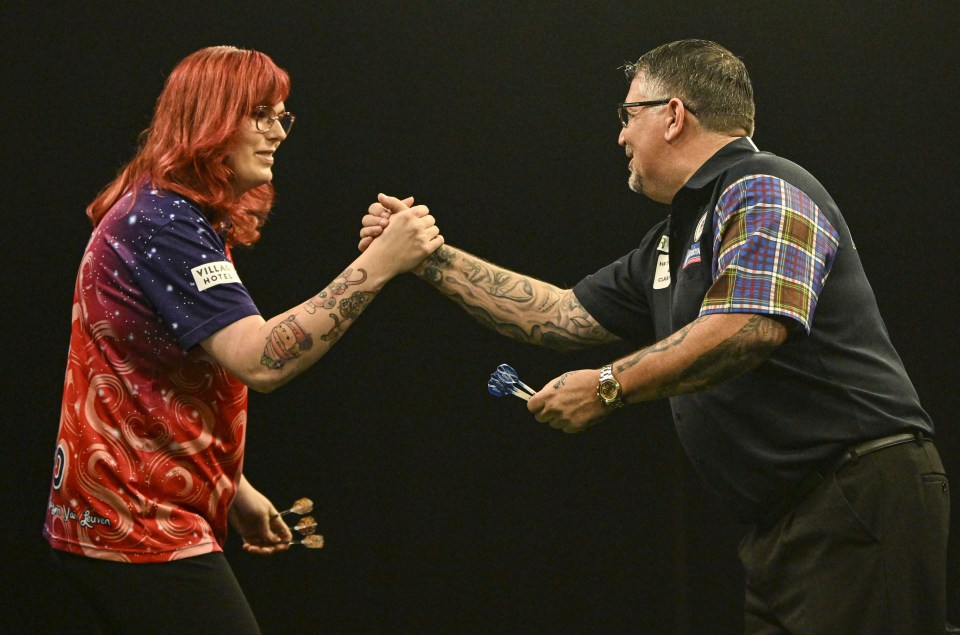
[[266, 118]]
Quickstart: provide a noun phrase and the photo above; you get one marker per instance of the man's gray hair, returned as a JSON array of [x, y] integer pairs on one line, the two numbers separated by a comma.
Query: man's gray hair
[[708, 78]]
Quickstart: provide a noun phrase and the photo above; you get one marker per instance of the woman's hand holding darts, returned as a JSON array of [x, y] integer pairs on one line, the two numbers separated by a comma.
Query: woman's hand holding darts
[[257, 521]]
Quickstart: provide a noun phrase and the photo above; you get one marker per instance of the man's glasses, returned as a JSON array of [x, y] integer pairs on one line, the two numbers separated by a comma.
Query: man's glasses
[[624, 115], [266, 118]]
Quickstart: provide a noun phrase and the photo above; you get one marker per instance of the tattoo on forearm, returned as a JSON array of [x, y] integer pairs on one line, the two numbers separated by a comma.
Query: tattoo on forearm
[[437, 262], [514, 305], [499, 284], [742, 351], [334, 333], [352, 307], [671, 342], [327, 299], [287, 340], [550, 301]]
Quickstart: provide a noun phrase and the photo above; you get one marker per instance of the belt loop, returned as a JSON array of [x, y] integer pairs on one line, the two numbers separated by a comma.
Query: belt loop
[[854, 457], [918, 437]]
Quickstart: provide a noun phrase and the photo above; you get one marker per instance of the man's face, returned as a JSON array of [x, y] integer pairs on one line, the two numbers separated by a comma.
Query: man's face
[[641, 139]]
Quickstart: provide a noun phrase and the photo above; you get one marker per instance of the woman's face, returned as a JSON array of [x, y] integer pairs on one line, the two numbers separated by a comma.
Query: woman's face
[[251, 157]]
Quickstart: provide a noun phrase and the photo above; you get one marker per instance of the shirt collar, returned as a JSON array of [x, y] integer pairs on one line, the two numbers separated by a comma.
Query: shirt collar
[[719, 162]]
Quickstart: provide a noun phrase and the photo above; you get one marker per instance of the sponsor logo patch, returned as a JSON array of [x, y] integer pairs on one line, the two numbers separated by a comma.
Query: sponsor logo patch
[[661, 277], [214, 273], [692, 257]]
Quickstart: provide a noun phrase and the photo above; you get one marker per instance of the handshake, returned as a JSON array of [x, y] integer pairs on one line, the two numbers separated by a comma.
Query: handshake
[[396, 231]]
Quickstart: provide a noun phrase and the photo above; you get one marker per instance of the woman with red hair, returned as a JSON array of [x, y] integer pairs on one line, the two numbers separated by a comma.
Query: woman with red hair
[[165, 342]]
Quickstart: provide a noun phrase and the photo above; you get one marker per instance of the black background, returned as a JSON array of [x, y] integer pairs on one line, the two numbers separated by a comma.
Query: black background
[[444, 509]]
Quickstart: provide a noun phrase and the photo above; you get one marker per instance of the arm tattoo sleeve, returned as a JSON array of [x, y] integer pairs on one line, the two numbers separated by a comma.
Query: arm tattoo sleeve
[[520, 307], [289, 339], [743, 351]]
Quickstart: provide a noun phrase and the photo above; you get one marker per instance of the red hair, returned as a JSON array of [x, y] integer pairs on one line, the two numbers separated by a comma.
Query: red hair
[[205, 100]]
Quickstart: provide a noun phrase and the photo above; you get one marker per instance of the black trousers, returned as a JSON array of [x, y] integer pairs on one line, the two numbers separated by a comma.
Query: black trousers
[[193, 595], [863, 553]]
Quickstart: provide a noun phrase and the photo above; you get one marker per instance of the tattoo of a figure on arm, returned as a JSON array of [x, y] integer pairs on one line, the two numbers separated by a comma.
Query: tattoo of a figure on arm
[[350, 309], [287, 340], [742, 351], [437, 262]]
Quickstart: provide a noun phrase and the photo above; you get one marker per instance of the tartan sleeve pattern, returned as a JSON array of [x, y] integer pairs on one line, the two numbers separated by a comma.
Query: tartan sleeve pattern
[[773, 251]]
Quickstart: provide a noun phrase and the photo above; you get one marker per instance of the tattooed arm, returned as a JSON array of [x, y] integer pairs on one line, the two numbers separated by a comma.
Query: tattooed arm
[[706, 352], [265, 354], [523, 308]]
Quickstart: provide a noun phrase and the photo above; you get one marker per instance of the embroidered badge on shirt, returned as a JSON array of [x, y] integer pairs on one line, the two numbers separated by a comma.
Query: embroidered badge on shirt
[[692, 256], [661, 277], [214, 273]]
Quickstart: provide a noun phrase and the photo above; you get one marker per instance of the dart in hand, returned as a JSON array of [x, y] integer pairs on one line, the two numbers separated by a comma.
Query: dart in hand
[[306, 526], [313, 541], [300, 507], [504, 381]]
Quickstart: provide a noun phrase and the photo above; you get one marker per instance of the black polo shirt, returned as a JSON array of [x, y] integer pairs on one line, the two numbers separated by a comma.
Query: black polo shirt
[[836, 381]]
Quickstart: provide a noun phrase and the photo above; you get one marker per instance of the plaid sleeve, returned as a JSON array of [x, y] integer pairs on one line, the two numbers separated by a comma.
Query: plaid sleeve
[[773, 251]]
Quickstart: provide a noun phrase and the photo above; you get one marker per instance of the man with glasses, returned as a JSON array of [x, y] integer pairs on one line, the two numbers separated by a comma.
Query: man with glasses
[[785, 389]]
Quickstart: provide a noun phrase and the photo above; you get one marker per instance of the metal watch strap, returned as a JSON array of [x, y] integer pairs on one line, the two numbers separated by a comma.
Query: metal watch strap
[[606, 375]]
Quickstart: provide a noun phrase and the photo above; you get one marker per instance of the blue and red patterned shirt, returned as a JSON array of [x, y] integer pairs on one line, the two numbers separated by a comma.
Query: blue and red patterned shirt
[[151, 437]]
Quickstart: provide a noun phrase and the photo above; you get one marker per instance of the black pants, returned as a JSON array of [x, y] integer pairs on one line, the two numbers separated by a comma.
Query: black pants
[[193, 595], [863, 553]]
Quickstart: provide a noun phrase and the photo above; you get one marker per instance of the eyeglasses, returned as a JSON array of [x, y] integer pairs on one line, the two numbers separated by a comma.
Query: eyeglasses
[[266, 118], [625, 116]]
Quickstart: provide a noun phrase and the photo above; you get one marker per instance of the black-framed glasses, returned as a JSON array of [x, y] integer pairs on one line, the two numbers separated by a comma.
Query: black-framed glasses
[[266, 118], [624, 115]]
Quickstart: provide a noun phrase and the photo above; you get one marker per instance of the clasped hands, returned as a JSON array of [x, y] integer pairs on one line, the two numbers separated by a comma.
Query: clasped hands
[[568, 402]]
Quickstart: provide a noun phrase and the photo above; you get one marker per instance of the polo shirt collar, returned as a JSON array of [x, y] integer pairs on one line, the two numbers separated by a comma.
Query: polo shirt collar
[[719, 162]]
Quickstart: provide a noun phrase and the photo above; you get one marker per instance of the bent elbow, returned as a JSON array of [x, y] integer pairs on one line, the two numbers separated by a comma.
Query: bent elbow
[[262, 387], [263, 382]]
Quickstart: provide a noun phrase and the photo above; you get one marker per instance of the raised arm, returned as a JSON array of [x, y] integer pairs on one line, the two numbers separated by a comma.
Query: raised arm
[[523, 308], [266, 354]]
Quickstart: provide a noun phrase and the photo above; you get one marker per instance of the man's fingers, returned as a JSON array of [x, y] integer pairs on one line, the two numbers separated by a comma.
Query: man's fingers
[[420, 211], [376, 214]]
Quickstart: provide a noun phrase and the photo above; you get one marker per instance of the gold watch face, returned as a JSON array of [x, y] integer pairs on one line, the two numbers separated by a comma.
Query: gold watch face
[[609, 391]]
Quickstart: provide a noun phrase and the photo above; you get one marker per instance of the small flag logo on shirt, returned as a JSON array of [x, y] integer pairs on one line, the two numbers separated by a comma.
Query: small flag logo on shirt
[[692, 257]]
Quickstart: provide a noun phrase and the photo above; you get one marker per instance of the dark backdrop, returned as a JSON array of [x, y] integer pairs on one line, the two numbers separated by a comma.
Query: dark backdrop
[[444, 509]]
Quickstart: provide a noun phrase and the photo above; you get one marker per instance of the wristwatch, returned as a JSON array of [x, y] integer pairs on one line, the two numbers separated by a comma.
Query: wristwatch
[[608, 388]]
